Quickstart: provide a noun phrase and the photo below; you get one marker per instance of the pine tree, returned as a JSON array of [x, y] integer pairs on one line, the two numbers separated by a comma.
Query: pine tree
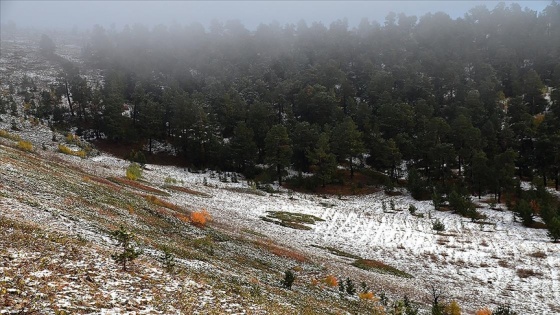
[[346, 142], [289, 278], [350, 289], [167, 259], [323, 162], [124, 241], [278, 149]]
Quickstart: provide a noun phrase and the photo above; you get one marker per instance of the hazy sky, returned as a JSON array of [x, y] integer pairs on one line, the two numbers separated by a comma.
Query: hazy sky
[[84, 14]]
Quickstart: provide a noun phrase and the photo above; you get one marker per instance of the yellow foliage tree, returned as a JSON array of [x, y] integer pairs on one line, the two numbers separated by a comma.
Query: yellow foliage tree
[[453, 308]]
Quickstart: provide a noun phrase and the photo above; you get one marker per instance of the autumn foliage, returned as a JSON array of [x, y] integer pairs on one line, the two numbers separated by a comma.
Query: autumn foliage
[[331, 281], [200, 218], [366, 296], [483, 311]]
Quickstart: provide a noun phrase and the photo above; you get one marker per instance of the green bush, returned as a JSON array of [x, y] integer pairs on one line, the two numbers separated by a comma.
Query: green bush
[[138, 157], [554, 229], [289, 278], [134, 171], [438, 226]]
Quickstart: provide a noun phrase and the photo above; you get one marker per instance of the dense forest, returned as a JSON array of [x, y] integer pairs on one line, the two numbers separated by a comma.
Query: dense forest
[[456, 107]]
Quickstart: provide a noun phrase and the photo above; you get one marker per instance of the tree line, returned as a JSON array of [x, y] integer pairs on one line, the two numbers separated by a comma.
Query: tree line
[[472, 102]]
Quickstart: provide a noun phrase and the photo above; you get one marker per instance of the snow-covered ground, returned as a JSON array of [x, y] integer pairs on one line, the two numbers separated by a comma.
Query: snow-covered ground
[[477, 264]]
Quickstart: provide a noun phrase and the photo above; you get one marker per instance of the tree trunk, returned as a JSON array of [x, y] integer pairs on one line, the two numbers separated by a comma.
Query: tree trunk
[[68, 98], [279, 174], [479, 190]]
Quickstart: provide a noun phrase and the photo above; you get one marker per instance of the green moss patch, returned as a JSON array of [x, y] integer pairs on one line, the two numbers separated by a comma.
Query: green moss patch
[[292, 220]]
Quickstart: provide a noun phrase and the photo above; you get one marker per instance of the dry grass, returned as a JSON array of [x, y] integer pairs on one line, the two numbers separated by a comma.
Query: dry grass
[[66, 150], [538, 254], [281, 251], [526, 273], [8, 135], [162, 203], [377, 266], [137, 185], [188, 191]]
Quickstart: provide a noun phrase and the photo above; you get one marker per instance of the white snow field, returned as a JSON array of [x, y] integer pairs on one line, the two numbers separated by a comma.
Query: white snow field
[[497, 262]]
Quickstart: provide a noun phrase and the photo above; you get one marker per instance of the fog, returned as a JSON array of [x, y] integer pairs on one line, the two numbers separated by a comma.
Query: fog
[[84, 14]]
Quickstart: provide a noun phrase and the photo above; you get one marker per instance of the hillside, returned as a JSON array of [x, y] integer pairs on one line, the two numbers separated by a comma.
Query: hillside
[[57, 212]]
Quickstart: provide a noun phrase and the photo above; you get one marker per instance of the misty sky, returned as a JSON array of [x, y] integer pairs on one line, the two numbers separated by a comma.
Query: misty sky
[[85, 14]]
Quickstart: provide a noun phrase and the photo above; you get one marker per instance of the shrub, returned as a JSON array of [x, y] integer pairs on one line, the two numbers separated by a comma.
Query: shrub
[[289, 278], [25, 145], [199, 218], [128, 253], [504, 310], [554, 229], [366, 296], [138, 157], [462, 205], [66, 150], [412, 209], [7, 135], [331, 281], [170, 180], [483, 311], [438, 226], [350, 289], [341, 287], [453, 308], [134, 171], [167, 259]]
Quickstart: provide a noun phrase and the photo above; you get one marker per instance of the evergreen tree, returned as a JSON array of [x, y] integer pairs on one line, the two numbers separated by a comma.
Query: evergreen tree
[[278, 150], [289, 279], [323, 162], [346, 142], [128, 253], [243, 147]]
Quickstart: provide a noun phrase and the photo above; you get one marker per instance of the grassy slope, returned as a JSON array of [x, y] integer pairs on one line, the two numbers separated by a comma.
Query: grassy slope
[[55, 251]]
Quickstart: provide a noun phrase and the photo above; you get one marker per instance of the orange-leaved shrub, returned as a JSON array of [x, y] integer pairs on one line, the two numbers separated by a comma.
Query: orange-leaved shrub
[[331, 281], [183, 218], [366, 296], [199, 218], [483, 311]]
